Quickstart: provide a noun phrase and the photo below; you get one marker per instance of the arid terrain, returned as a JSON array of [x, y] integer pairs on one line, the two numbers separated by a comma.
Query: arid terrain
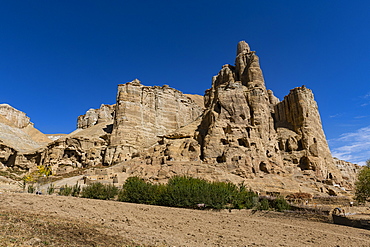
[[43, 220]]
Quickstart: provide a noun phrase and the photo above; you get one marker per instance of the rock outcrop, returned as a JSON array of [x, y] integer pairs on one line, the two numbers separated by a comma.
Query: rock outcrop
[[95, 116], [18, 138], [15, 117], [246, 134], [242, 133], [349, 172], [142, 114]]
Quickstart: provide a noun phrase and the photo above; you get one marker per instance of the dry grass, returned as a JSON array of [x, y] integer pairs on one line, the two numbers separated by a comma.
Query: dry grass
[[26, 229]]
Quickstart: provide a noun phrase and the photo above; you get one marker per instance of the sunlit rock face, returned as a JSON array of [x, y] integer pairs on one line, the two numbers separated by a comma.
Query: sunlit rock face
[[15, 117], [95, 116], [247, 134], [241, 133], [142, 114]]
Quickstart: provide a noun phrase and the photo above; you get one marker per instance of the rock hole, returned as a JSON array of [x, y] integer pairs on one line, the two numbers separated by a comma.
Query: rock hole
[[249, 132], [228, 130], [221, 159], [224, 141], [263, 167], [243, 142], [217, 108], [192, 148], [253, 170]]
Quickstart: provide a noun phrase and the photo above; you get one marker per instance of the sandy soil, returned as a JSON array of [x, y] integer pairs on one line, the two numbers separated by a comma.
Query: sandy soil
[[67, 221]]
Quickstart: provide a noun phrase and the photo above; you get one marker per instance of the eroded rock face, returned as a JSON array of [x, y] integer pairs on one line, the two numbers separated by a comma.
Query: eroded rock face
[[18, 139], [242, 133], [349, 172], [7, 156], [95, 116], [247, 134], [305, 142], [238, 127], [143, 113], [17, 118]]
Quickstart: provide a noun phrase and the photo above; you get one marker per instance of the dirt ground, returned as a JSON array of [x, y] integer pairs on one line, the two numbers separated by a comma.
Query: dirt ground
[[43, 220]]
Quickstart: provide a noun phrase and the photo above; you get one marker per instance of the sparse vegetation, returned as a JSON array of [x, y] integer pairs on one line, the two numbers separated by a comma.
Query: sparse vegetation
[[362, 192], [51, 189], [188, 192], [99, 191], [180, 191], [65, 190], [136, 190], [31, 189]]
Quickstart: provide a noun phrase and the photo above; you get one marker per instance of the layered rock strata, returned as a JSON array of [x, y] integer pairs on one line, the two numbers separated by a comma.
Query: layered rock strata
[[15, 117], [95, 116], [142, 114], [242, 133], [247, 135]]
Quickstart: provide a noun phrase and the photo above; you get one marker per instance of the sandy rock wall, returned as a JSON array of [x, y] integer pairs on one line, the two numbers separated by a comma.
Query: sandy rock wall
[[247, 134], [348, 170], [143, 113], [242, 133], [14, 116], [237, 127], [95, 116]]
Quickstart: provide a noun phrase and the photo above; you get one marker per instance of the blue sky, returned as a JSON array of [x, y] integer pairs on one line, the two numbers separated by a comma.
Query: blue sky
[[60, 58]]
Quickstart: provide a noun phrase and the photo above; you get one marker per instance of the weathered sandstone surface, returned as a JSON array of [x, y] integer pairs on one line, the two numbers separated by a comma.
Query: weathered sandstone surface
[[94, 116], [142, 114], [247, 135], [241, 133], [18, 138]]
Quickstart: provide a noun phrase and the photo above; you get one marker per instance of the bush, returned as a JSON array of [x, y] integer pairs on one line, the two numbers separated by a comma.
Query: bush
[[99, 191], [136, 190], [65, 190], [263, 204], [31, 189], [280, 204], [362, 192], [76, 189], [187, 192], [245, 198], [51, 189]]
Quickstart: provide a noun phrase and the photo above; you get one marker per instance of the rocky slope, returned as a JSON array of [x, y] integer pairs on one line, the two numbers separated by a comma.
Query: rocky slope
[[242, 133], [18, 138]]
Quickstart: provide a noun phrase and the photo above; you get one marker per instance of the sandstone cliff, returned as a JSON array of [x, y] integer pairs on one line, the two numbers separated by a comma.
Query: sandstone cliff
[[242, 133], [247, 135], [95, 116], [142, 114], [18, 138]]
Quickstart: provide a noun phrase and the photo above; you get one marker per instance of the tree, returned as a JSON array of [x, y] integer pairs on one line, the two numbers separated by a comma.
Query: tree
[[363, 183]]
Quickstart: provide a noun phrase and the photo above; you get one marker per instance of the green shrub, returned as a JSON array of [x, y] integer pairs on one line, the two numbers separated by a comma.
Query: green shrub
[[31, 189], [136, 190], [263, 204], [65, 190], [280, 204], [51, 189], [362, 192], [245, 198], [187, 192], [76, 189], [99, 191]]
